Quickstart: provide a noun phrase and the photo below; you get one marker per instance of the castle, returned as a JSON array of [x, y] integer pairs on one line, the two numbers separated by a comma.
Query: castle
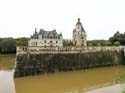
[[45, 53], [46, 39], [53, 39]]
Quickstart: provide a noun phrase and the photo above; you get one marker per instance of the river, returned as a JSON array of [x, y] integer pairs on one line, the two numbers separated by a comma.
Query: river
[[60, 82]]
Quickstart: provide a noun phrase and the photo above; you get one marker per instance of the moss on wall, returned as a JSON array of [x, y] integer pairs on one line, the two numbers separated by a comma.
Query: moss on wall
[[31, 64]]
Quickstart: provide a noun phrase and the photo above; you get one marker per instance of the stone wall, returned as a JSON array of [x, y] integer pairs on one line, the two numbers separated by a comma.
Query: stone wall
[[39, 63]]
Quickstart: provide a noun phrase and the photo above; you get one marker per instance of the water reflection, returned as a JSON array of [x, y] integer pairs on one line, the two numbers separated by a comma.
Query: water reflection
[[7, 82], [6, 74]]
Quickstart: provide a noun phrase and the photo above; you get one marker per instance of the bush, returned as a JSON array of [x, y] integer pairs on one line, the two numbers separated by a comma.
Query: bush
[[117, 43], [108, 43]]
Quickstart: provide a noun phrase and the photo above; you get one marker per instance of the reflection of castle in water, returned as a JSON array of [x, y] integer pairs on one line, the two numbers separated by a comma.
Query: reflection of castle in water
[[53, 39]]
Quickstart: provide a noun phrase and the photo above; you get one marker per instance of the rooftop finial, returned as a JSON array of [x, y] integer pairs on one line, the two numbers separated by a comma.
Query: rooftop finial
[[78, 19], [35, 30], [78, 22]]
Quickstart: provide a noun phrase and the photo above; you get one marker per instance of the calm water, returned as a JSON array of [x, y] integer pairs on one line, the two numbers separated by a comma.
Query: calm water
[[63, 82]]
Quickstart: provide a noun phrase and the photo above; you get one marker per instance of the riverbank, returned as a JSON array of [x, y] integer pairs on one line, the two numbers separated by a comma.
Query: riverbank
[[107, 89], [8, 54]]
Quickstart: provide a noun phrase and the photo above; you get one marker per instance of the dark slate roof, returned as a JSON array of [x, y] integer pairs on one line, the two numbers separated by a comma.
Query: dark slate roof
[[47, 34], [79, 23]]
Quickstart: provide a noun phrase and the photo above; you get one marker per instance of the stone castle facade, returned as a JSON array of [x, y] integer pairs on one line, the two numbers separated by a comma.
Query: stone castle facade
[[53, 39], [46, 39], [79, 35]]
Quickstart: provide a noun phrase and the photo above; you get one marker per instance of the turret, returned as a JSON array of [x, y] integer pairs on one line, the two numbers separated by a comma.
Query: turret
[[79, 34]]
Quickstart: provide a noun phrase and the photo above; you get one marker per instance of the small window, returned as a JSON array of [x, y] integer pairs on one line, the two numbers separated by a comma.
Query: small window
[[45, 41], [82, 38], [56, 41], [51, 41]]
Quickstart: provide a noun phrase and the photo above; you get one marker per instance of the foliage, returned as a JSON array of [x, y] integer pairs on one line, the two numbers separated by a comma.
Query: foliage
[[22, 41], [118, 37], [67, 42], [108, 43], [99, 43], [8, 45], [117, 43], [120, 78]]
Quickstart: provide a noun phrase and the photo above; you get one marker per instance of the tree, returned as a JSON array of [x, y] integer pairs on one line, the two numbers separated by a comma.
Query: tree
[[117, 43], [22, 41], [8, 45], [67, 42], [108, 43], [118, 37]]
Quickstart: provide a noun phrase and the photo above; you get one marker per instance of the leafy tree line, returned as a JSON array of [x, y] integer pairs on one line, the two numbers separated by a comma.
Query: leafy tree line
[[8, 45], [116, 40], [102, 43]]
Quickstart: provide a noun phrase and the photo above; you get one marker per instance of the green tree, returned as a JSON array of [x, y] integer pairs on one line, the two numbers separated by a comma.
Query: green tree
[[22, 41], [8, 45], [108, 43], [118, 37], [67, 42], [117, 43]]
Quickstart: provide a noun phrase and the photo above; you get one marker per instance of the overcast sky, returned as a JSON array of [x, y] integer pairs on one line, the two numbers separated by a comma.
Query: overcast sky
[[100, 18]]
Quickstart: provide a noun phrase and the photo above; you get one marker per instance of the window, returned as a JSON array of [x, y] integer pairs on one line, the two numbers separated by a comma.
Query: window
[[56, 41], [82, 38], [50, 41], [45, 41], [44, 46]]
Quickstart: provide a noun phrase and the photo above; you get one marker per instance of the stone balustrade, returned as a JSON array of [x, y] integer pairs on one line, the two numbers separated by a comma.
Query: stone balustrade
[[29, 49]]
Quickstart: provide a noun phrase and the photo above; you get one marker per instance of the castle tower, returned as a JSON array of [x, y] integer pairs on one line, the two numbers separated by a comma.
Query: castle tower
[[79, 35]]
